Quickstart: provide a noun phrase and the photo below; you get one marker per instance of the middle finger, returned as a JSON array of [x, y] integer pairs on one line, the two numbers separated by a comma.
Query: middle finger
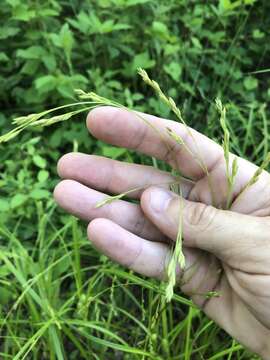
[[115, 177], [81, 201]]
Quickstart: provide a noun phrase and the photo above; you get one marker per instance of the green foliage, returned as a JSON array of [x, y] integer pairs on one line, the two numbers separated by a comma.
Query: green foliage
[[59, 299]]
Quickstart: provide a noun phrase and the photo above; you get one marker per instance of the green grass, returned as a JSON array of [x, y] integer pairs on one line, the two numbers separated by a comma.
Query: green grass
[[87, 308], [59, 298], [98, 309]]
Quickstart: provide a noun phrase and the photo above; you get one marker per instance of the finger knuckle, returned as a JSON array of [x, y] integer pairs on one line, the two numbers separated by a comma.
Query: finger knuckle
[[201, 216], [139, 224]]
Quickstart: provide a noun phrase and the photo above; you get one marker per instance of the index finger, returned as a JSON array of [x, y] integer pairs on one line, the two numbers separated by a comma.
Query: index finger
[[148, 134]]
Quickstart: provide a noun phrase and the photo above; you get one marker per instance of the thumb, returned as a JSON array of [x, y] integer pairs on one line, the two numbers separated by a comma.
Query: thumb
[[226, 234]]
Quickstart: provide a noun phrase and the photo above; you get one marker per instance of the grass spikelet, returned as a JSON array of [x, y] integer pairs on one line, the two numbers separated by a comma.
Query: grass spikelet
[[97, 99], [256, 174], [230, 173], [58, 118], [259, 171], [173, 107], [10, 135], [22, 120], [110, 199], [177, 258], [166, 100], [37, 119], [175, 136]]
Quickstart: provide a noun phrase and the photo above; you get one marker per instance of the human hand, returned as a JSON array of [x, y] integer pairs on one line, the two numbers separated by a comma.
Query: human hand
[[226, 251]]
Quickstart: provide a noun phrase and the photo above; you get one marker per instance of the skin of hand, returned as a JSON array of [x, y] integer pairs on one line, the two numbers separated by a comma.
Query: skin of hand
[[227, 251]]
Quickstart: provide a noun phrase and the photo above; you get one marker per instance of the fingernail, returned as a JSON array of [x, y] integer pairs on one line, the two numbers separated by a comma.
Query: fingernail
[[159, 199]]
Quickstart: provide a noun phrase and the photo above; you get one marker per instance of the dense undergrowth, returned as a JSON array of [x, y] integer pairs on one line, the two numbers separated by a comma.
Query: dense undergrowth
[[59, 298]]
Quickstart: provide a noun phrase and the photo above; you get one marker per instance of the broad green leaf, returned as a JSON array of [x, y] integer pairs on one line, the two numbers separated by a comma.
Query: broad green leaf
[[43, 175], [39, 161], [33, 52], [13, 3], [196, 42], [160, 29], [23, 13], [225, 4], [4, 205], [250, 83], [174, 70], [257, 34], [142, 60], [49, 61], [81, 23], [48, 12], [39, 194], [66, 38], [3, 57], [66, 89], [18, 200], [30, 67], [110, 25], [45, 83], [8, 31], [113, 152]]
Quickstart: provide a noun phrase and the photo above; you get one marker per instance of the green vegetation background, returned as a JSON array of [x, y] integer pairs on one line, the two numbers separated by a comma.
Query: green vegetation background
[[59, 298]]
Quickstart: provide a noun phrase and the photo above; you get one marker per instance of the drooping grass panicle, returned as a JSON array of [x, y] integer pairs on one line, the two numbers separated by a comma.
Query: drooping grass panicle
[[96, 99], [173, 107], [57, 118], [177, 257], [167, 100], [38, 119], [259, 171], [231, 171], [226, 135], [110, 199], [256, 175], [178, 139], [28, 119]]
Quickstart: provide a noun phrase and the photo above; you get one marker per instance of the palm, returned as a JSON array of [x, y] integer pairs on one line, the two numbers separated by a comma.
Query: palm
[[245, 276], [239, 274]]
